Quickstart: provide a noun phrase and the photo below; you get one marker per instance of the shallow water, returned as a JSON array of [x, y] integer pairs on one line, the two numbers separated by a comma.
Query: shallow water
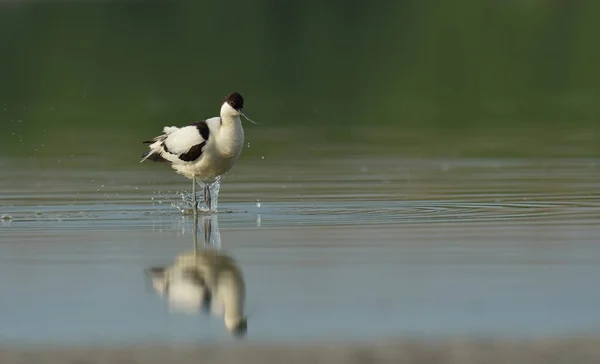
[[351, 248]]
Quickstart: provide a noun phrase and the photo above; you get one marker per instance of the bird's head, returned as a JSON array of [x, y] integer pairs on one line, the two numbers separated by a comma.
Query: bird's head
[[233, 105], [237, 327]]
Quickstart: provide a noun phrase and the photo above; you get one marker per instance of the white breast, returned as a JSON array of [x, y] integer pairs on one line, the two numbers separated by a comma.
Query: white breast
[[223, 148], [230, 138]]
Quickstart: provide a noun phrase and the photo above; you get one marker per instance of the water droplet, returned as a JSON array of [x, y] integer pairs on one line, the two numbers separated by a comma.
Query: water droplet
[[248, 145], [263, 157], [258, 204]]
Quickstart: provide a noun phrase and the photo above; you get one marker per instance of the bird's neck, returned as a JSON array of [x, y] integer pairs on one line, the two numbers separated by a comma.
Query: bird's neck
[[231, 134], [233, 305], [231, 121]]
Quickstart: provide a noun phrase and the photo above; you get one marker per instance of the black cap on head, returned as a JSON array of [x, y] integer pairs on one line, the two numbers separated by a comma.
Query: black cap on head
[[235, 100], [239, 331]]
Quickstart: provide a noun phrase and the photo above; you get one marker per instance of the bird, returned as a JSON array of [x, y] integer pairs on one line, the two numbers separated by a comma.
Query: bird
[[209, 280], [203, 150]]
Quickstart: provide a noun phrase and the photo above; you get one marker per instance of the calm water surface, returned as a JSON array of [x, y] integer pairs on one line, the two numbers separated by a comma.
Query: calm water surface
[[343, 223], [349, 248]]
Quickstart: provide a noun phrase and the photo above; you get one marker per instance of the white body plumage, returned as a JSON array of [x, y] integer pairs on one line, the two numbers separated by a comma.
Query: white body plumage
[[205, 149], [193, 276], [217, 150]]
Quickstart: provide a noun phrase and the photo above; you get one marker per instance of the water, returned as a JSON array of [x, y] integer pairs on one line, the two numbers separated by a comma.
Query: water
[[357, 247], [421, 169]]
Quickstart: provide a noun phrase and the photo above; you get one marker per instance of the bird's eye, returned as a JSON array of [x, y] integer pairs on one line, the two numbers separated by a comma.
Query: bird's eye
[[231, 103]]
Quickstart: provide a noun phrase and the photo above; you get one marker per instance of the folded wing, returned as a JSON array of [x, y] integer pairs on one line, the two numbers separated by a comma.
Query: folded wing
[[179, 145]]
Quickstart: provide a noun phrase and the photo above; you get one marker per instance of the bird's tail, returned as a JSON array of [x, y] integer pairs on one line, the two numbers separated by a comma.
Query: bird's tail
[[154, 153]]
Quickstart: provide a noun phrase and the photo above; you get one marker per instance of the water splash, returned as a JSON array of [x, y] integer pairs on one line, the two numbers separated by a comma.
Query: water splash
[[215, 187], [185, 204]]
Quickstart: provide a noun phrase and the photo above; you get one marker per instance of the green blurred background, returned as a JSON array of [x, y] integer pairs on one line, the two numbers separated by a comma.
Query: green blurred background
[[450, 78]]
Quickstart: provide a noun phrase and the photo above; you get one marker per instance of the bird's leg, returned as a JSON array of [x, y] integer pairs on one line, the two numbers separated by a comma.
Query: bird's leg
[[207, 230], [207, 197], [194, 198], [195, 234]]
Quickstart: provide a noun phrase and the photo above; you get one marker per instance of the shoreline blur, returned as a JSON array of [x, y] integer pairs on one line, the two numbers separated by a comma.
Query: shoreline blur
[[580, 350]]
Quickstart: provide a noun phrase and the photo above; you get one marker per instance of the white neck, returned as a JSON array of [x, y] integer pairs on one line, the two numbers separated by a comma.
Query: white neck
[[228, 112], [231, 133], [231, 121], [231, 292], [233, 315]]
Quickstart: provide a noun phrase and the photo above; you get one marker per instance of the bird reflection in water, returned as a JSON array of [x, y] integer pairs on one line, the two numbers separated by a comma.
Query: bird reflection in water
[[205, 279]]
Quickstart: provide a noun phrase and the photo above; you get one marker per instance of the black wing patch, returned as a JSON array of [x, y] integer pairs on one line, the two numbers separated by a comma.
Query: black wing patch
[[194, 153], [194, 276], [202, 129], [191, 155]]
